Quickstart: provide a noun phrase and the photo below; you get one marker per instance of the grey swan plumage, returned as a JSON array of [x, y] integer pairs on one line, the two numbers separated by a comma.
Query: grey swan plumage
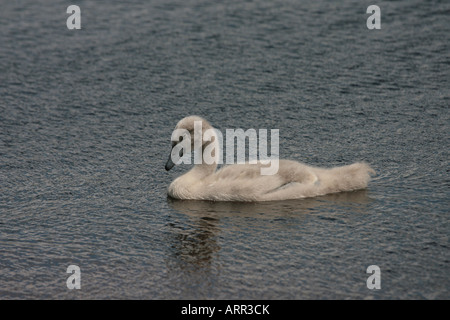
[[244, 182]]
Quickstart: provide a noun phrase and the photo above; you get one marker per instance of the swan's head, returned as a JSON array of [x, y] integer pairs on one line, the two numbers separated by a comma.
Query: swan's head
[[188, 129], [189, 123]]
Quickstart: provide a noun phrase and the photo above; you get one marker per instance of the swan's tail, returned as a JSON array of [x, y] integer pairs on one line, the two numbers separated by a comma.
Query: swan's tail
[[346, 178]]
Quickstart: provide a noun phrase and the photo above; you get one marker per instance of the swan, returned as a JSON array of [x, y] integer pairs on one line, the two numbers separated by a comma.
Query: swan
[[244, 182]]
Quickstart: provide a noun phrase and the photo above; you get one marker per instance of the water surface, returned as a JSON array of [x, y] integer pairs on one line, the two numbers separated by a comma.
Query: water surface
[[85, 122]]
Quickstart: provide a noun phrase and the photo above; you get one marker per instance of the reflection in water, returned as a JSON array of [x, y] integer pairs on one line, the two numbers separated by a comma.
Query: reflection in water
[[269, 209], [194, 243], [193, 235]]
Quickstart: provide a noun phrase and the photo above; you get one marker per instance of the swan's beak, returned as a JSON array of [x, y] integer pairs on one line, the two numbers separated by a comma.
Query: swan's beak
[[169, 163]]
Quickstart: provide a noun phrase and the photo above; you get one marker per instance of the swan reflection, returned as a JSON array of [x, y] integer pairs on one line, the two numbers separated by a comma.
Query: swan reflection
[[195, 227]]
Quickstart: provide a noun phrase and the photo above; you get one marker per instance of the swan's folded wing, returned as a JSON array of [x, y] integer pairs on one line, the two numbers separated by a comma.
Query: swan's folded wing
[[245, 181]]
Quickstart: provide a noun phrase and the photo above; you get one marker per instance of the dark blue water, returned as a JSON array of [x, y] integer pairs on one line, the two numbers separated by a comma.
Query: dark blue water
[[85, 123]]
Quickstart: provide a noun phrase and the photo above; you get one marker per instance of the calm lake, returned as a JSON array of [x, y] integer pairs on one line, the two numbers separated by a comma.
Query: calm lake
[[85, 123]]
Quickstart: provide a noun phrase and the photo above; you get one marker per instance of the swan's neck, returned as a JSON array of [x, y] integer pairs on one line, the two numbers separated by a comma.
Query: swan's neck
[[187, 185], [203, 170], [209, 161]]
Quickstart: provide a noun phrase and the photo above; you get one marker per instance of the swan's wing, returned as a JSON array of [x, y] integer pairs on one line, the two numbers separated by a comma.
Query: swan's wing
[[244, 181]]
